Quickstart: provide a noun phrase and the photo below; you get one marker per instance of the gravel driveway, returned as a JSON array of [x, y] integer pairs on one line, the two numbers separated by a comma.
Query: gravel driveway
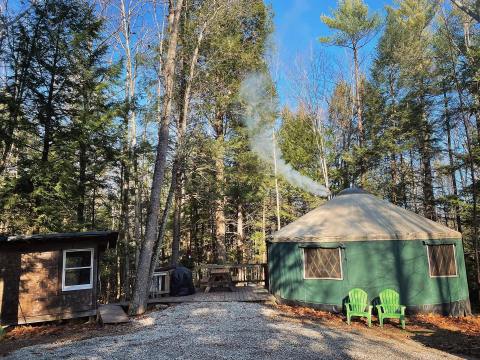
[[230, 331]]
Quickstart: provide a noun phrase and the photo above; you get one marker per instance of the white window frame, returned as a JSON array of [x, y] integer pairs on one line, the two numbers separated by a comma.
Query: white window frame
[[322, 278], [454, 258], [82, 286]]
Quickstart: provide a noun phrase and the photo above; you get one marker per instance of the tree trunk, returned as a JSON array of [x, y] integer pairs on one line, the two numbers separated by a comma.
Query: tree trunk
[[177, 216], [129, 163], [343, 165], [413, 183], [470, 158], [138, 304], [137, 225], [163, 223], [93, 202], [427, 179], [221, 253], [264, 230], [180, 156], [240, 234], [451, 161], [473, 12], [393, 172], [403, 185], [277, 191], [194, 220], [358, 106], [426, 154], [82, 161], [471, 166], [22, 66], [393, 155], [157, 248], [320, 144], [124, 233], [47, 119], [47, 116]]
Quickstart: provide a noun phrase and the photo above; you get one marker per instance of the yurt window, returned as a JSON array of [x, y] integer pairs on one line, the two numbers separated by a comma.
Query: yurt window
[[320, 263], [441, 260]]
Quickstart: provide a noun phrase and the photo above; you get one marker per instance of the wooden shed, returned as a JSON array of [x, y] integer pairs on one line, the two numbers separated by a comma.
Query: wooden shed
[[51, 276]]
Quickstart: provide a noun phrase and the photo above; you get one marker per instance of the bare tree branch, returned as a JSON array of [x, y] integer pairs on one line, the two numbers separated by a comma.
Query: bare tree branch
[[473, 12]]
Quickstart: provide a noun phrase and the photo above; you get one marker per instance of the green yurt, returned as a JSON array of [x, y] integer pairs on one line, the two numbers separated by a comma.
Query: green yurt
[[358, 240]]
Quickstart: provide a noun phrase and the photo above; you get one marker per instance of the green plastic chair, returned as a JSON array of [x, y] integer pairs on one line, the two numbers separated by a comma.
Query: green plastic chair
[[390, 307], [357, 305]]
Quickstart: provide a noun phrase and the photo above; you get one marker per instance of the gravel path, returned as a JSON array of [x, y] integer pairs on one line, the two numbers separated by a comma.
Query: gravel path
[[230, 331]]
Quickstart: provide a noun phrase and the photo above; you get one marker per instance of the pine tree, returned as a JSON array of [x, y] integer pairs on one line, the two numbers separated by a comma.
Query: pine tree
[[354, 28]]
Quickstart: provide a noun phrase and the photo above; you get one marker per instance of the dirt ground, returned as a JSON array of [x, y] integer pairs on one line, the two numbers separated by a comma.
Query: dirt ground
[[460, 336], [68, 330], [233, 330]]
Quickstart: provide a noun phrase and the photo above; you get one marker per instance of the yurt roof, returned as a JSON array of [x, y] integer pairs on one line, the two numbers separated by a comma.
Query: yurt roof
[[356, 215]]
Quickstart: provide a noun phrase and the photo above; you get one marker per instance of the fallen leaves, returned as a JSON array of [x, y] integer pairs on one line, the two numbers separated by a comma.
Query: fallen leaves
[[454, 335]]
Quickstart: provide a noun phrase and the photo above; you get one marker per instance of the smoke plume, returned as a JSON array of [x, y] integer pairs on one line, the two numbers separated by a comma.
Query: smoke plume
[[259, 108]]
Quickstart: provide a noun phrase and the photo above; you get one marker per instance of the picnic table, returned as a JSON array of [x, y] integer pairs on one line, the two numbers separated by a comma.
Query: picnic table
[[219, 277]]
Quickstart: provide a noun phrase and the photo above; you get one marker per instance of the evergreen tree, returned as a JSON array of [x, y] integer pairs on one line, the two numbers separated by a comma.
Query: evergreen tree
[[354, 28]]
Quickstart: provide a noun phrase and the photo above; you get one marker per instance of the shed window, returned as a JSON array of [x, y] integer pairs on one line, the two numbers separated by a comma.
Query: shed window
[[77, 271], [441, 260], [322, 263]]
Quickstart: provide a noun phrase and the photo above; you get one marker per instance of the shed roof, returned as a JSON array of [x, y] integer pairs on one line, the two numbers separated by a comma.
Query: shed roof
[[356, 215], [110, 236]]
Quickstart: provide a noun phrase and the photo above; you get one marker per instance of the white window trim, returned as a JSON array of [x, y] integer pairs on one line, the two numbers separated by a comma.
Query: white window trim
[[77, 287], [322, 278], [454, 258]]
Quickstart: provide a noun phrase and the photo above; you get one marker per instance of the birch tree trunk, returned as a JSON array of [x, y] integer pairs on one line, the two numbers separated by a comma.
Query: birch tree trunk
[[129, 161]]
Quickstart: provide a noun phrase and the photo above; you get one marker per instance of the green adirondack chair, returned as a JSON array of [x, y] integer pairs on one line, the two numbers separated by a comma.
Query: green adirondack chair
[[357, 305], [390, 307]]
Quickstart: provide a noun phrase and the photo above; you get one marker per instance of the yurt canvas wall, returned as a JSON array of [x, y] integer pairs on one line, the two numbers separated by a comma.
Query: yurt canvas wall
[[358, 240]]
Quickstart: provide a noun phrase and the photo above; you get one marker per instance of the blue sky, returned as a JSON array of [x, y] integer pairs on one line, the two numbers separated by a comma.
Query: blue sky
[[298, 27]]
